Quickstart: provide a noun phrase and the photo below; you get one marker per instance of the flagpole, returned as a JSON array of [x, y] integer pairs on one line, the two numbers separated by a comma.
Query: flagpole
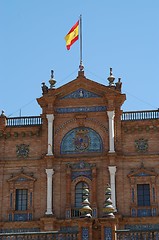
[[81, 66]]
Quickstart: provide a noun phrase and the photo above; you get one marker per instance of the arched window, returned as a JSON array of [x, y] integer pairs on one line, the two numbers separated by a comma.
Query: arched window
[[79, 193]]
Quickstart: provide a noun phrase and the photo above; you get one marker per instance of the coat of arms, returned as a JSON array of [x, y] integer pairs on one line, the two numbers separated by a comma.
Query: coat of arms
[[81, 140]]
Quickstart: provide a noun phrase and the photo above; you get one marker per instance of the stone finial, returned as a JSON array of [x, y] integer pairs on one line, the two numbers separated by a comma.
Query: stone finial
[[44, 88], [81, 67], [2, 114], [111, 78], [86, 211], [119, 85], [108, 209], [52, 81]]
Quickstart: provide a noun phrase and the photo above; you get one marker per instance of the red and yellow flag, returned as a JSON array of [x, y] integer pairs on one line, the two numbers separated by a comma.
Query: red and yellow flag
[[72, 35]]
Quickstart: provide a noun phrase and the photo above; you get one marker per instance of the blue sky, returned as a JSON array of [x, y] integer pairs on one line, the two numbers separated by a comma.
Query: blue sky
[[121, 34]]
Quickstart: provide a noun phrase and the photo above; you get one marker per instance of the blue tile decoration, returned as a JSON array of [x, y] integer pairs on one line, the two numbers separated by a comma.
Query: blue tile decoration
[[81, 140], [133, 212], [68, 229], [144, 213], [81, 109], [85, 233], [107, 233], [81, 93], [10, 217], [81, 165], [94, 212], [142, 174], [21, 217], [76, 174]]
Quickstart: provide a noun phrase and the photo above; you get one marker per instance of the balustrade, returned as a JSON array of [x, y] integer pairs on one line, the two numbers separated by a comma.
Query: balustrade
[[140, 115], [24, 121]]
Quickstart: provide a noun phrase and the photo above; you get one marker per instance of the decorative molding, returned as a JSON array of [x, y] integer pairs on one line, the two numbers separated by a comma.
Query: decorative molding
[[92, 120], [142, 172], [21, 178]]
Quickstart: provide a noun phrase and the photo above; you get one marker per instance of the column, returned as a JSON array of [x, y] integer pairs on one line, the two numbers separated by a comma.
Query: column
[[111, 130], [112, 171], [49, 173], [50, 118]]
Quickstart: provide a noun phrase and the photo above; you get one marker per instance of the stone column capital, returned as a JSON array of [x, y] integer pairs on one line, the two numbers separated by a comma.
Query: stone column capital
[[112, 170], [50, 117], [49, 172], [111, 114]]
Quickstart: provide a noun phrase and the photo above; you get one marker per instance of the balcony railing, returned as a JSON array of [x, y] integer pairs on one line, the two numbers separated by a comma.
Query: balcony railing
[[137, 235], [144, 211], [24, 121], [126, 116], [140, 115], [39, 235]]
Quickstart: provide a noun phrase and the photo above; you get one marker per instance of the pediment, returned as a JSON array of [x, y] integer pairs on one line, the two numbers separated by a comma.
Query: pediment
[[84, 90], [21, 178], [81, 88], [142, 172]]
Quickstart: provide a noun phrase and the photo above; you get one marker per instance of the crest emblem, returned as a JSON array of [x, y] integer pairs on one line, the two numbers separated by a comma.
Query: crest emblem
[[81, 140], [22, 150], [141, 145]]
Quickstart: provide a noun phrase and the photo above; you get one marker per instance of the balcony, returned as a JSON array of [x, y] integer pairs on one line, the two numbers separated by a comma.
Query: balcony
[[24, 121]]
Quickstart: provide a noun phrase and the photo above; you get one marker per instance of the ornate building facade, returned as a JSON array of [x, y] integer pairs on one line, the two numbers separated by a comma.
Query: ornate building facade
[[55, 168]]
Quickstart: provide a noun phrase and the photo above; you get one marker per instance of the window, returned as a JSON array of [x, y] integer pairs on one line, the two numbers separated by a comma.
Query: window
[[79, 193], [21, 200], [143, 194]]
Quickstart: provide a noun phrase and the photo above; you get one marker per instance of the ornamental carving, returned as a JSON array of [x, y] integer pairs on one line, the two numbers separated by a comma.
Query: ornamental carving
[[22, 150], [141, 145]]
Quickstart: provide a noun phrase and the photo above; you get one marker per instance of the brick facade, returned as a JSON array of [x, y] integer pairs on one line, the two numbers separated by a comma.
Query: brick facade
[[81, 150]]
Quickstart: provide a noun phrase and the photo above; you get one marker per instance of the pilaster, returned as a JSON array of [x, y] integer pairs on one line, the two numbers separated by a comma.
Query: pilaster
[[50, 118]]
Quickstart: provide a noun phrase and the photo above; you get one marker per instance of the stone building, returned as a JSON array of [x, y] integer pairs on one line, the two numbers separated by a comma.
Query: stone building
[[55, 168]]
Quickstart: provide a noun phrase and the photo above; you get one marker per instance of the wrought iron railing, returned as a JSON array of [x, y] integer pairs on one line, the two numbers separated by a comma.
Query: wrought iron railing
[[55, 235], [128, 234], [24, 121], [140, 115], [75, 212]]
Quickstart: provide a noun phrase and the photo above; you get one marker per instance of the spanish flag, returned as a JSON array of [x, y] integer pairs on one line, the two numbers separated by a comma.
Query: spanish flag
[[72, 35]]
